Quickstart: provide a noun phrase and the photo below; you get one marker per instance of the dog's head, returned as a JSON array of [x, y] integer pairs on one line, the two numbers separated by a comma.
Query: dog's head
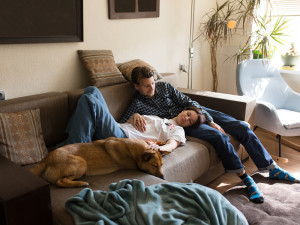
[[152, 163], [147, 160]]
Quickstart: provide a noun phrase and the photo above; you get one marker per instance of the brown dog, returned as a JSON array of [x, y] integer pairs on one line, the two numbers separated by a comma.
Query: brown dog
[[70, 162]]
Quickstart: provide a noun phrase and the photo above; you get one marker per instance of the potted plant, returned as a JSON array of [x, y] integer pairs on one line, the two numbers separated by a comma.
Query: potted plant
[[220, 23], [291, 59]]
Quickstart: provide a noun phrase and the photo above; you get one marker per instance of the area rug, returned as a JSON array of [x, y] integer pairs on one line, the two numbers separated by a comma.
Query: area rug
[[281, 206]]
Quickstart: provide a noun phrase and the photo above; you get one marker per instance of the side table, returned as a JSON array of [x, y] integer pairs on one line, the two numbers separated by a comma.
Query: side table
[[244, 107], [24, 197]]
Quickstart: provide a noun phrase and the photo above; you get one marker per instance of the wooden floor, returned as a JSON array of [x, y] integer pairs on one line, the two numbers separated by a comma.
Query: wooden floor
[[270, 142]]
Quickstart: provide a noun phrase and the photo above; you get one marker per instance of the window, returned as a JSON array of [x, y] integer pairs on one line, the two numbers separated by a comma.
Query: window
[[291, 10]]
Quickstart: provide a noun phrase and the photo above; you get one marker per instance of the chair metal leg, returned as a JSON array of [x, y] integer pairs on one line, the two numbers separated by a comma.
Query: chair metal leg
[[254, 128], [279, 141]]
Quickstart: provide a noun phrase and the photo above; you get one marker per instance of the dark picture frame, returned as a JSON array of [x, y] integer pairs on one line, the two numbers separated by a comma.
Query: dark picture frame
[[36, 21], [131, 9]]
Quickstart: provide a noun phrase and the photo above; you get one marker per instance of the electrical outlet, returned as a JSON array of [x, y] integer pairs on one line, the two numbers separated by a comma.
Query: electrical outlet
[[182, 68], [2, 95]]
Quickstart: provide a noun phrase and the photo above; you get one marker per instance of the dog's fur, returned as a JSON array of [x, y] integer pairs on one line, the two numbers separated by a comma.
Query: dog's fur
[[70, 162]]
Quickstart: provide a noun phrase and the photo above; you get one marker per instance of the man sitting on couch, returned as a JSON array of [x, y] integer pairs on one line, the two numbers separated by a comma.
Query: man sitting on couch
[[163, 100]]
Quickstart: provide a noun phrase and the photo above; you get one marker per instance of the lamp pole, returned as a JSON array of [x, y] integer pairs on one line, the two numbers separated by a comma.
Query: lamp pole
[[191, 48]]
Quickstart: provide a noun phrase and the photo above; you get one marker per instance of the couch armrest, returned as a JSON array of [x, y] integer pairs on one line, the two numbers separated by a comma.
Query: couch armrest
[[240, 107], [24, 197]]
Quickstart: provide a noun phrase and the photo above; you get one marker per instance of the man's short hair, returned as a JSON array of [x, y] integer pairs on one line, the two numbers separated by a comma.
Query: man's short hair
[[139, 73]]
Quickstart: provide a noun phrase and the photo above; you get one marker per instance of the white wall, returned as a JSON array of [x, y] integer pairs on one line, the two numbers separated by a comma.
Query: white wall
[[27, 69], [201, 72], [163, 42]]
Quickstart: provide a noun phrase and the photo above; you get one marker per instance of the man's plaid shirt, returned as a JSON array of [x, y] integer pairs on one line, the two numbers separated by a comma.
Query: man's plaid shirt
[[167, 102]]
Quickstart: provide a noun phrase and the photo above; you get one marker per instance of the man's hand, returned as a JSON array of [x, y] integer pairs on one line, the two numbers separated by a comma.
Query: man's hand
[[138, 122], [216, 126]]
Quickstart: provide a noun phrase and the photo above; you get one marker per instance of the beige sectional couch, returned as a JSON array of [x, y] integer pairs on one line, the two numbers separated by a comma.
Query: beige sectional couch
[[196, 161]]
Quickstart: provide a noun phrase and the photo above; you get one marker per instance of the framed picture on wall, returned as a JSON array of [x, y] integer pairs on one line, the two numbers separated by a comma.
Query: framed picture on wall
[[36, 21], [130, 9]]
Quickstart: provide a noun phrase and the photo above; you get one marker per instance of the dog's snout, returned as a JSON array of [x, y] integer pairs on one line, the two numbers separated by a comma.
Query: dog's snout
[[160, 175]]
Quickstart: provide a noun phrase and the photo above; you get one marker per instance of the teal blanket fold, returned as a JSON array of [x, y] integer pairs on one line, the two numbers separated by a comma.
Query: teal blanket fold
[[130, 202]]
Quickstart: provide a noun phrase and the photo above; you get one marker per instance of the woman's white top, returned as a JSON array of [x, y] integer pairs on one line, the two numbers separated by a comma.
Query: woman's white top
[[157, 129]]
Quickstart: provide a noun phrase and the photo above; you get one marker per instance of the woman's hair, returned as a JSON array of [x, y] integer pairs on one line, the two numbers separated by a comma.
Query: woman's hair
[[139, 73], [201, 117]]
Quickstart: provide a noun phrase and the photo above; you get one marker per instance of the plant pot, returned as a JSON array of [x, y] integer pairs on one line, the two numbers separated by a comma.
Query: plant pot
[[290, 60], [256, 54]]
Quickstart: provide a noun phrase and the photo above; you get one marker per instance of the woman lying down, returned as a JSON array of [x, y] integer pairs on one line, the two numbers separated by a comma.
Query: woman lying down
[[164, 134]]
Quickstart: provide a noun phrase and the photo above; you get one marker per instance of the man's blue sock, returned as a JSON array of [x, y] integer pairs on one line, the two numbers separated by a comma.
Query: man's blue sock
[[278, 173], [254, 193]]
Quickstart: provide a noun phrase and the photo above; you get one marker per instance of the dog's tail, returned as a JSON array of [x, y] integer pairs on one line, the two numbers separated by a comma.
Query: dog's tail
[[38, 168]]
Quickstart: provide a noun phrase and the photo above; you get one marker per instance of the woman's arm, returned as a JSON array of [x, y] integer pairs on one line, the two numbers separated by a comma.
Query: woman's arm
[[167, 148]]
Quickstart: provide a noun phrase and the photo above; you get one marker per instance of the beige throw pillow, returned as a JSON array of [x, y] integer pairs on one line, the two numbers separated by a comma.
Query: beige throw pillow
[[101, 67], [21, 137], [127, 67]]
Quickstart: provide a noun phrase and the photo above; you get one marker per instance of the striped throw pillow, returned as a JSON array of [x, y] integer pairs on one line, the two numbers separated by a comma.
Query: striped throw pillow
[[21, 137], [101, 67]]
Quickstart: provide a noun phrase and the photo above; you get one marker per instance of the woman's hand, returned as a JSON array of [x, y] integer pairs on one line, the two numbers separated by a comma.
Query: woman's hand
[[166, 148], [154, 146], [216, 126], [169, 146], [138, 122]]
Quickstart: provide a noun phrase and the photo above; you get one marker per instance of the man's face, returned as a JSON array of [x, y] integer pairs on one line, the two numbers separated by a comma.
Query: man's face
[[146, 87]]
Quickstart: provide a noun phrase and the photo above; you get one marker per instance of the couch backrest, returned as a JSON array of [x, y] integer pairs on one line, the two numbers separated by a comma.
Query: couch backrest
[[54, 112], [118, 97], [56, 108]]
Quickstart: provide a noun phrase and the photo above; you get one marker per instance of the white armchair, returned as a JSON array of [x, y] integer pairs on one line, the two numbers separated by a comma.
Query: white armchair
[[277, 105]]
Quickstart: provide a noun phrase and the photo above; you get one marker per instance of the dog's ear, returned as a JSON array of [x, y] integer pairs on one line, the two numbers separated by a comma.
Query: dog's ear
[[148, 155]]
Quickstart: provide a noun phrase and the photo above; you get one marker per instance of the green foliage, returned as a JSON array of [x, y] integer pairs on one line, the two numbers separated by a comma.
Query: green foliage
[[265, 39], [261, 43]]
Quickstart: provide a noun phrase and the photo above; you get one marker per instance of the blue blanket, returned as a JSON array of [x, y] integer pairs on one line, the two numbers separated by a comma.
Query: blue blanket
[[129, 202]]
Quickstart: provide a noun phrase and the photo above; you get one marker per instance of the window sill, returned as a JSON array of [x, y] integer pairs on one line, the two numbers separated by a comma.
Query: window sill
[[292, 77], [295, 71]]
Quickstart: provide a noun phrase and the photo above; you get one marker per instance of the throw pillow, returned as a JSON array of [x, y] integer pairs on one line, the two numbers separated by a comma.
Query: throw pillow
[[21, 138], [101, 67], [127, 67]]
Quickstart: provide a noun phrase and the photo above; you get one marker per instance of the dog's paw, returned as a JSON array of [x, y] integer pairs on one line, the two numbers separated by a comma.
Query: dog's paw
[[84, 184]]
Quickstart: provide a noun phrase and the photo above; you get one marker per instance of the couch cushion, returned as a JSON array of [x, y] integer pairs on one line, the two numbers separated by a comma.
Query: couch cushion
[[101, 67], [100, 182], [213, 156], [186, 163], [116, 100], [21, 137], [289, 119], [127, 67], [114, 96]]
